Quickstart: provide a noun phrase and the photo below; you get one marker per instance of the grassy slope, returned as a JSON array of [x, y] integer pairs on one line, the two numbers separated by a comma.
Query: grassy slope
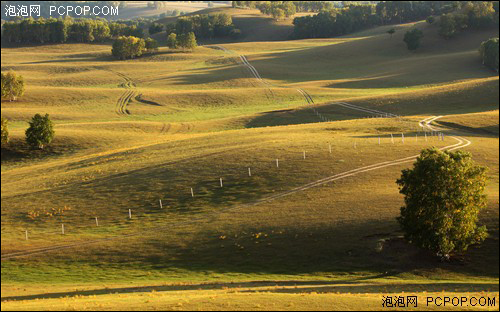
[[104, 163]]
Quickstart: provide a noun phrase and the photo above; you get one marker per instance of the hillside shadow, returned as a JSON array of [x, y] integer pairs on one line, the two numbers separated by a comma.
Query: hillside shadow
[[373, 246]]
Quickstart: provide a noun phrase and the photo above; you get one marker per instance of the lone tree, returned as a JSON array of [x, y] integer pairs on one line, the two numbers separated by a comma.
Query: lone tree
[[489, 53], [412, 38], [12, 85], [5, 131], [444, 193], [391, 32], [40, 132], [172, 41], [187, 41]]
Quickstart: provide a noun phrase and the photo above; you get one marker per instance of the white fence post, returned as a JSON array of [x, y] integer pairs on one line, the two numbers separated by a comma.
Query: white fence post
[[96, 222], [62, 228], [130, 213], [220, 182]]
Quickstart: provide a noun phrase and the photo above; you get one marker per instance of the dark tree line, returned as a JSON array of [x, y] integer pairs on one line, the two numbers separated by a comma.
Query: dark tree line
[[300, 6], [354, 17], [63, 30], [204, 26], [335, 22]]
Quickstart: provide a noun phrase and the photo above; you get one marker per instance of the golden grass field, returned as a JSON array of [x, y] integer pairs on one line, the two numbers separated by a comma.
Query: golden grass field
[[131, 133]]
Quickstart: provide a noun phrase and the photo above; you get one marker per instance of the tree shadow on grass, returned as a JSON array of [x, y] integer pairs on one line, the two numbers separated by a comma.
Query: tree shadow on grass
[[372, 246]]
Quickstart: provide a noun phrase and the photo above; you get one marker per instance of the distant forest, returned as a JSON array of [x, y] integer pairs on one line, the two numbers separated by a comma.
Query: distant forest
[[354, 17], [67, 29]]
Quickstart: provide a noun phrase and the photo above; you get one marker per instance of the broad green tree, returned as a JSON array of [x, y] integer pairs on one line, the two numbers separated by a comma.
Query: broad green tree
[[12, 85], [5, 131], [187, 41], [489, 53], [443, 194], [172, 41], [40, 132], [412, 38]]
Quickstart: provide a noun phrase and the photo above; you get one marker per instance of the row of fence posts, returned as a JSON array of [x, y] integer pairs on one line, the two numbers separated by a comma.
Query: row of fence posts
[[439, 135]]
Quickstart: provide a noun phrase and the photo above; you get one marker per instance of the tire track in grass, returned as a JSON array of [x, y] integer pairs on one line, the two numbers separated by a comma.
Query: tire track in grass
[[125, 98]]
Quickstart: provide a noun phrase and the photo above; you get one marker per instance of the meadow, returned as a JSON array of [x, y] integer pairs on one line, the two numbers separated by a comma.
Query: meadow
[[132, 133]]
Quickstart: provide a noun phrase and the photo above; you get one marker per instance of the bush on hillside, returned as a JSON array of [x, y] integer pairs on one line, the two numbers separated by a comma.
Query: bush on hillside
[[172, 41], [12, 85], [40, 132], [443, 194], [412, 39], [489, 53]]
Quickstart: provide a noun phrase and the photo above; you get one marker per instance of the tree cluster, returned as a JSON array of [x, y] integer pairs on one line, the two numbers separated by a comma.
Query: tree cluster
[[474, 15], [204, 26], [300, 6], [489, 53], [128, 47], [353, 17], [61, 30], [155, 28], [278, 9], [335, 22], [12, 85], [184, 41]]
